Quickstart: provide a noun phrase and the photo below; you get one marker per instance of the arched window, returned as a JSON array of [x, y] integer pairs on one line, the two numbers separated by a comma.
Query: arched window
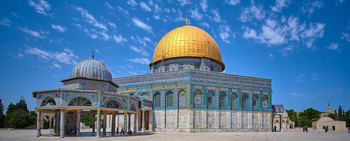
[[255, 102], [80, 101], [244, 101], [182, 98], [156, 100], [234, 101], [197, 99], [265, 103], [222, 100], [169, 99], [210, 100], [114, 104], [48, 101]]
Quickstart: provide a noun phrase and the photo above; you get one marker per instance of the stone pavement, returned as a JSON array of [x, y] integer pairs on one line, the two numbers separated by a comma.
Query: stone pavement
[[293, 135]]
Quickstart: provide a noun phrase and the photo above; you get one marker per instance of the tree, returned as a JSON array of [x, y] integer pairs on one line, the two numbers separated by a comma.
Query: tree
[[333, 116], [11, 107], [19, 119], [2, 116], [308, 116], [293, 116], [340, 113], [22, 105], [87, 120], [348, 118]]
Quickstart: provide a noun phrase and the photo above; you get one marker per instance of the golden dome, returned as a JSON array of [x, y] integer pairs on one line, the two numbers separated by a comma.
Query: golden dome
[[187, 41]]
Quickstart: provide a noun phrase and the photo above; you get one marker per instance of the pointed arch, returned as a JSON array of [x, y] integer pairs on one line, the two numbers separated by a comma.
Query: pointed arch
[[48, 101], [197, 98], [234, 101], [169, 99], [156, 100], [80, 101], [222, 100], [210, 100], [182, 98]]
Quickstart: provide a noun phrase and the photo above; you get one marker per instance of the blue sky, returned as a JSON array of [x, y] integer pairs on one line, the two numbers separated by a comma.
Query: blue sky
[[303, 46]]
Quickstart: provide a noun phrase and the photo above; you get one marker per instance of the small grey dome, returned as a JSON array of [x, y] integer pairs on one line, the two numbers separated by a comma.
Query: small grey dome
[[91, 68]]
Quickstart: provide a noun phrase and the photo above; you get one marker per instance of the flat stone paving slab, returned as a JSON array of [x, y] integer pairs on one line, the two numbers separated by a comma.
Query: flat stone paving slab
[[292, 135]]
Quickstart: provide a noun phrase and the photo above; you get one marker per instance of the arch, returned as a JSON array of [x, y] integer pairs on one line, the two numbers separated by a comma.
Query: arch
[[80, 101], [145, 96], [48, 101], [114, 103], [222, 100], [197, 99], [210, 100], [156, 100], [265, 101], [245, 102], [234, 101], [255, 102], [169, 99], [182, 98]]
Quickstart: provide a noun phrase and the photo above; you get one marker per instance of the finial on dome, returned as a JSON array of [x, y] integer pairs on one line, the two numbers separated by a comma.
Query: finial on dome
[[186, 19], [93, 52]]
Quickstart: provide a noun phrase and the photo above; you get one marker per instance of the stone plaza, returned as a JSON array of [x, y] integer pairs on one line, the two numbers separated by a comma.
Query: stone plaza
[[291, 135]]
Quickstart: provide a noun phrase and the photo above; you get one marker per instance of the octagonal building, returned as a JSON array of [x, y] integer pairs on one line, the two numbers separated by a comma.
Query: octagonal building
[[187, 90]]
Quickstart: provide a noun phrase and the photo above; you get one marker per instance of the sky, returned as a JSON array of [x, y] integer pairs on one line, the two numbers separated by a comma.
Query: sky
[[303, 46]]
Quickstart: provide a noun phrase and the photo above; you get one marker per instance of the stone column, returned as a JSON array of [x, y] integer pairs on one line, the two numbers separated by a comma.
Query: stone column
[[78, 122], [104, 122], [125, 122], [143, 121], [57, 123], [62, 123], [98, 134], [93, 124], [118, 121], [113, 123], [129, 122], [135, 120], [38, 126]]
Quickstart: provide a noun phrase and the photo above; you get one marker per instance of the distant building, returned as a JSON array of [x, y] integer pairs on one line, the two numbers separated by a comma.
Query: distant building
[[326, 113], [332, 125], [281, 120]]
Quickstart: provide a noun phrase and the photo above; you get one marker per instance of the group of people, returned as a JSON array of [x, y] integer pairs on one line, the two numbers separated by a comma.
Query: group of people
[[305, 129], [122, 132]]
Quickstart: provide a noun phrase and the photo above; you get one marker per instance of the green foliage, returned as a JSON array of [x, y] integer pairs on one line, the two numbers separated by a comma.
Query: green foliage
[[2, 116], [293, 116], [18, 115], [19, 118], [331, 115], [87, 120], [308, 116]]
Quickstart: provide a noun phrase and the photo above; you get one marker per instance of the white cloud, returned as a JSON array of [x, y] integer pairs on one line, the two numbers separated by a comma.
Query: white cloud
[[333, 46], [271, 55], [66, 56], [205, 24], [93, 33], [119, 39], [56, 65], [315, 76], [184, 2], [217, 17], [180, 17], [140, 60], [252, 12], [310, 7], [286, 50], [345, 36], [112, 24], [225, 32], [139, 50], [59, 28], [271, 33], [90, 19], [340, 2], [142, 41], [195, 14], [109, 6], [132, 3], [5, 22], [38, 34], [120, 9], [280, 4], [42, 7], [314, 31], [144, 6], [299, 95], [142, 25], [204, 5], [232, 2]]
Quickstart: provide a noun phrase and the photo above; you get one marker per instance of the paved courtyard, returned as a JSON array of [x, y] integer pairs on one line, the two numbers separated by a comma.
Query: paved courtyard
[[293, 135]]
